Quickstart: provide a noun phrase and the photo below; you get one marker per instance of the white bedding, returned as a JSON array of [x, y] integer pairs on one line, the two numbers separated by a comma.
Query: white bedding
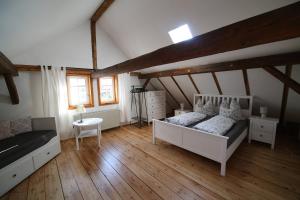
[[186, 119], [218, 125]]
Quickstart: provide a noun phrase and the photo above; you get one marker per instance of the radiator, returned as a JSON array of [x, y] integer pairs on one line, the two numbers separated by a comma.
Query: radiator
[[111, 118]]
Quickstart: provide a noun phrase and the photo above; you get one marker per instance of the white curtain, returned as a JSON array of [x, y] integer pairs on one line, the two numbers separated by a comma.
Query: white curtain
[[124, 97], [55, 99]]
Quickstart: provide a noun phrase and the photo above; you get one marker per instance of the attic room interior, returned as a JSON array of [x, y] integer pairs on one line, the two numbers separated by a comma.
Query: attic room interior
[[140, 99]]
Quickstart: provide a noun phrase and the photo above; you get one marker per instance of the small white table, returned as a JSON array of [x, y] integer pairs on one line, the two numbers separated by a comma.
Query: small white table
[[263, 130], [88, 128], [179, 111]]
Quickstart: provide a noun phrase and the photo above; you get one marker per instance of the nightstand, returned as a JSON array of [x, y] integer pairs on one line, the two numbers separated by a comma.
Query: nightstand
[[179, 111], [263, 130]]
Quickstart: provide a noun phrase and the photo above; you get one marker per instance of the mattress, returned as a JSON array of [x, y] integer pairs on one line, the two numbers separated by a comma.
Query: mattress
[[236, 130], [18, 146]]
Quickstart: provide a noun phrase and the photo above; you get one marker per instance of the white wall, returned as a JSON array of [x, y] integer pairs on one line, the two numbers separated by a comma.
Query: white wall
[[72, 48]]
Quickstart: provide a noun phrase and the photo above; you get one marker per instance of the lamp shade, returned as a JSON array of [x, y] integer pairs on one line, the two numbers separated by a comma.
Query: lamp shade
[[80, 108]]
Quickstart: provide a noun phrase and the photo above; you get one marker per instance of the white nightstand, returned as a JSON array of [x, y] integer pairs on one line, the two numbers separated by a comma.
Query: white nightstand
[[263, 130], [179, 111]]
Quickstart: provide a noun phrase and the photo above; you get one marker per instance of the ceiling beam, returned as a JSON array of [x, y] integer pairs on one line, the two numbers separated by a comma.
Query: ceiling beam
[[280, 24], [285, 93], [178, 86], [6, 66], [217, 82], [284, 78], [258, 62], [168, 92], [94, 43], [194, 84], [146, 82], [101, 10], [246, 81], [12, 89]]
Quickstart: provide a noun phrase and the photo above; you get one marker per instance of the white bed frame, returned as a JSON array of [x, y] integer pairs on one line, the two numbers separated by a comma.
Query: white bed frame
[[205, 144]]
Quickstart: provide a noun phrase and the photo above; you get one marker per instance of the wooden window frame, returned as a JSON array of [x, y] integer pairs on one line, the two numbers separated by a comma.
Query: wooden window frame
[[90, 87], [116, 91]]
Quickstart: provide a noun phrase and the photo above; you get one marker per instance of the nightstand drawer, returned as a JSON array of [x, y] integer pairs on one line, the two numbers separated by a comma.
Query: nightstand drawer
[[263, 126], [262, 136]]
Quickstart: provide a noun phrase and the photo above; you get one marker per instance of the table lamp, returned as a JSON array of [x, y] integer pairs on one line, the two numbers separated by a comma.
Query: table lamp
[[263, 111], [80, 109]]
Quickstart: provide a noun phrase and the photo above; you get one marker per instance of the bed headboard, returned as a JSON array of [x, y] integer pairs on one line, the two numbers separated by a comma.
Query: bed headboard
[[244, 101]]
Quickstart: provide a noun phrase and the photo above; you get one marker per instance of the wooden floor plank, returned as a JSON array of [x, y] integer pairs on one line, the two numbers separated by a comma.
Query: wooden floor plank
[[84, 182], [129, 166], [53, 187], [148, 162], [68, 182], [36, 187], [98, 163]]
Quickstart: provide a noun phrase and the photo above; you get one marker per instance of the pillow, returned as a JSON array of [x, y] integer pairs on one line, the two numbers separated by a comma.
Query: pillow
[[5, 129], [198, 106], [233, 112], [208, 109], [20, 126]]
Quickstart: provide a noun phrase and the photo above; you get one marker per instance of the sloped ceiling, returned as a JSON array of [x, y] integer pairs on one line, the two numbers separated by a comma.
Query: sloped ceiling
[[25, 23], [141, 26]]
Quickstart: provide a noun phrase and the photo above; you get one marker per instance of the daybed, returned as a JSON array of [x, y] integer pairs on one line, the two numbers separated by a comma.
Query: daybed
[[24, 153]]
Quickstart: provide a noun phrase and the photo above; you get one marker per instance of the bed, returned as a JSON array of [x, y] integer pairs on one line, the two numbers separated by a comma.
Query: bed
[[215, 147]]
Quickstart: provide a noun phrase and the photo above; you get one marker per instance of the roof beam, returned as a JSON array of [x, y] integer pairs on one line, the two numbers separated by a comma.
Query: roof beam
[[194, 84], [168, 92], [217, 82], [258, 62], [284, 78], [12, 89], [6, 66], [246, 81], [279, 24], [285, 93], [94, 43], [178, 86], [101, 10]]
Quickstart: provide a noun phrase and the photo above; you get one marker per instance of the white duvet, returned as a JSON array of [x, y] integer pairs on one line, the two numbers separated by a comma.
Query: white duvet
[[218, 125], [186, 119]]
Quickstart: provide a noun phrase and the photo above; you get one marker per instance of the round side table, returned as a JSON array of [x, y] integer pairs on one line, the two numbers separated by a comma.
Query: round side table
[[87, 128]]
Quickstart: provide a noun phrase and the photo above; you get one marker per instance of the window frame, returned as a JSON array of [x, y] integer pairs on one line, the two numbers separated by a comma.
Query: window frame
[[116, 91], [88, 75]]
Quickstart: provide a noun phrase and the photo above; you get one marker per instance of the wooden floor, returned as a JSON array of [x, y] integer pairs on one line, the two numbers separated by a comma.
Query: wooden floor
[[128, 166]]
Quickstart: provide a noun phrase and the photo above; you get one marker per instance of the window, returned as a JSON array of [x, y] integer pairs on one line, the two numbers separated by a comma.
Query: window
[[108, 90], [180, 34], [79, 90]]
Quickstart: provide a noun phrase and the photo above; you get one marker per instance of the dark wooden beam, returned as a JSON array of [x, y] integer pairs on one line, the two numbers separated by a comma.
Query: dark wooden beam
[[146, 82], [178, 104], [216, 82], [258, 62], [6, 66], [284, 78], [37, 68], [12, 89], [246, 81], [101, 10], [194, 84], [285, 93], [94, 44], [277, 25], [134, 73], [186, 98]]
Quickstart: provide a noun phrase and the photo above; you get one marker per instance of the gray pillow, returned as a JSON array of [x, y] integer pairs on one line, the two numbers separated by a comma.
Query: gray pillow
[[21, 125], [5, 131]]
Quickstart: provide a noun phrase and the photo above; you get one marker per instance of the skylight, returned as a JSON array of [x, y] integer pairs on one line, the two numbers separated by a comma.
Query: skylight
[[180, 33]]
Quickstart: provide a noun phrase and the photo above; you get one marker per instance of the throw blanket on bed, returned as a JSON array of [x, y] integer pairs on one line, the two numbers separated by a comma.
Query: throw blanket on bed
[[186, 119], [218, 125]]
